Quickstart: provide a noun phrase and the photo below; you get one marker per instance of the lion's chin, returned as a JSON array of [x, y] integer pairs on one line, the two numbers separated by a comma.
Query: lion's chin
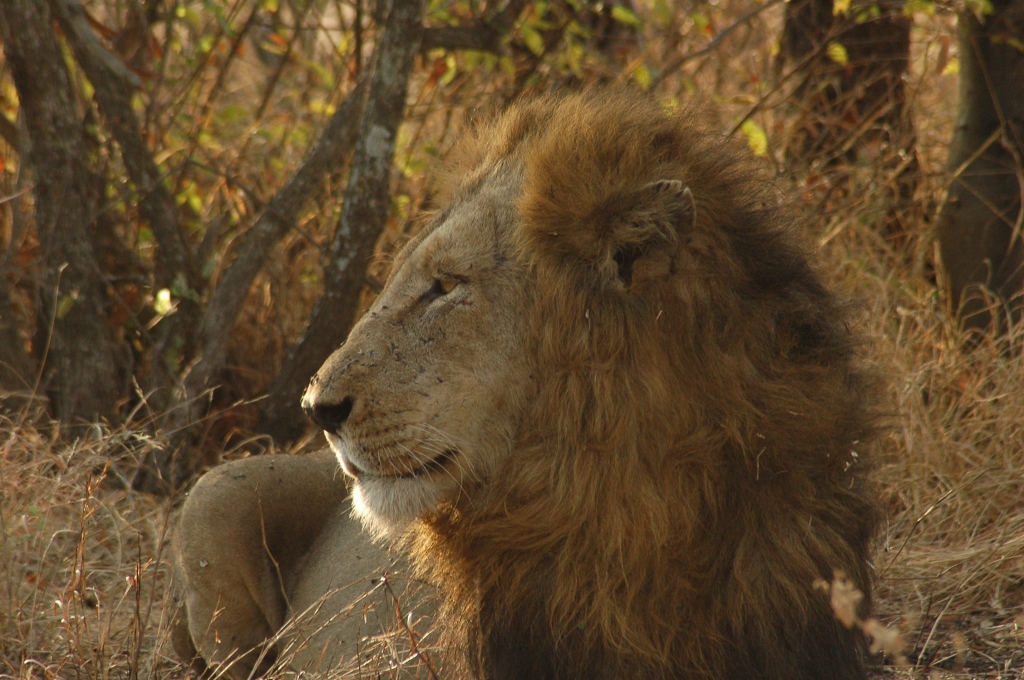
[[386, 506]]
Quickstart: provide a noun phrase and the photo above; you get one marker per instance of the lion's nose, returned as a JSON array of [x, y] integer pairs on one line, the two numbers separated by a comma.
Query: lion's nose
[[327, 415]]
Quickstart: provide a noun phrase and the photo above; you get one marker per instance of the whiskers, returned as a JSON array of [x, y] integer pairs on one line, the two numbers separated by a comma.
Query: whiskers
[[434, 442], [419, 450]]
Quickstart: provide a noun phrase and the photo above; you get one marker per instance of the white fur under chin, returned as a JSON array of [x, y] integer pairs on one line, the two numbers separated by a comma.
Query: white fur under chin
[[386, 506]]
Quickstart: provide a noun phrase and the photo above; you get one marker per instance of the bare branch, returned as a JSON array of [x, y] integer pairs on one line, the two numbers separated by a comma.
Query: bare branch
[[218, 322], [711, 46], [485, 34], [274, 222]]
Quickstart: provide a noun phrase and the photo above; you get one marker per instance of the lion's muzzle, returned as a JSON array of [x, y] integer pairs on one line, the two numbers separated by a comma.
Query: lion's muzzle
[[329, 416]]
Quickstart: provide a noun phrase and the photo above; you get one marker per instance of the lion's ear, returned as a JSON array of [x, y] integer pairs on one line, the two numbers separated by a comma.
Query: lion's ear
[[647, 230]]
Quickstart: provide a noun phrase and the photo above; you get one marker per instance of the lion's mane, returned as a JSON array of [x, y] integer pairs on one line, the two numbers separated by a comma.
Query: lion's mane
[[696, 455]]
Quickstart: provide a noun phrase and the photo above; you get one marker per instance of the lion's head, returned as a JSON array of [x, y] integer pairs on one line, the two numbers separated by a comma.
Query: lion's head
[[612, 405], [426, 395]]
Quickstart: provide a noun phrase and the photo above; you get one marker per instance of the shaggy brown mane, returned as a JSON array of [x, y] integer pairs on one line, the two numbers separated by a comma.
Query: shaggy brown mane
[[695, 455]]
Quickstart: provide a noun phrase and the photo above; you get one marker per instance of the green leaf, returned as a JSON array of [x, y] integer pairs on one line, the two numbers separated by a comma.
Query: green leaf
[[837, 53], [162, 303], [1007, 39], [533, 39], [413, 166], [981, 8], [65, 304], [926, 7], [757, 140], [626, 16], [180, 288], [701, 21], [321, 71], [642, 75], [662, 13], [507, 65], [453, 69], [840, 7], [232, 113]]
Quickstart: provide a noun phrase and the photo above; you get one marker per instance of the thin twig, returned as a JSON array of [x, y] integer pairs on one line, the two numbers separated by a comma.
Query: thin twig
[[931, 508], [413, 643], [679, 62]]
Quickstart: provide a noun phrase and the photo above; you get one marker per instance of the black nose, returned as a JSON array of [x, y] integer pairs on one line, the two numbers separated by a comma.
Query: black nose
[[330, 416]]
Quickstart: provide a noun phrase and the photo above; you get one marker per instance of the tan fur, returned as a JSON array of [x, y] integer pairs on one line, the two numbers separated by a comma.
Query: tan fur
[[265, 550], [633, 433]]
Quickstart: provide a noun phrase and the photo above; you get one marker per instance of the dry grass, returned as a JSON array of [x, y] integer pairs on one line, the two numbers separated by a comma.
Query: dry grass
[[84, 576], [84, 571], [951, 559]]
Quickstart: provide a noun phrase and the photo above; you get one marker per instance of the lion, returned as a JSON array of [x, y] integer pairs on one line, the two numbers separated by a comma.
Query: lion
[[273, 573], [606, 406]]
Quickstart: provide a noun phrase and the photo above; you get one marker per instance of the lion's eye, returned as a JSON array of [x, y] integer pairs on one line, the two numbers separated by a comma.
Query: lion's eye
[[446, 284], [442, 286]]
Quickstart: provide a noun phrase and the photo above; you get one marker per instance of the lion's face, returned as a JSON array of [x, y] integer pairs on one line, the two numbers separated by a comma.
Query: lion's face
[[422, 398]]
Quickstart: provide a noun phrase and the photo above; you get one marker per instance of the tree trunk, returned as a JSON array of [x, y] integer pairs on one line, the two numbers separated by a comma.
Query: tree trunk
[[979, 227], [81, 374], [852, 93], [364, 213]]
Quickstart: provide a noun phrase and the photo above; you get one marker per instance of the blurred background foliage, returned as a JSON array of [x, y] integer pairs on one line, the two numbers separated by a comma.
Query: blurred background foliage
[[193, 128]]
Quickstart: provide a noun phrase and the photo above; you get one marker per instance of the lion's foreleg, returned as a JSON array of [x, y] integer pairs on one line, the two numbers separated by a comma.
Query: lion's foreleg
[[242, 534]]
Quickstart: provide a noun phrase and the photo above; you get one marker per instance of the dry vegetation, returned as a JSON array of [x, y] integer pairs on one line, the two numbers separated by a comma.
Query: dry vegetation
[[84, 571], [84, 564]]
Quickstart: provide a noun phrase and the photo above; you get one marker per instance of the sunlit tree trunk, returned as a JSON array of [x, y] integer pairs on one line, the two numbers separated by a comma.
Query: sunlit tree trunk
[[979, 227], [81, 373]]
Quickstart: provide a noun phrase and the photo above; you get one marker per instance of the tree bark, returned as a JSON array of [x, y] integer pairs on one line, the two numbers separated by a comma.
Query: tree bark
[[81, 373], [979, 227], [176, 267], [18, 368], [364, 213]]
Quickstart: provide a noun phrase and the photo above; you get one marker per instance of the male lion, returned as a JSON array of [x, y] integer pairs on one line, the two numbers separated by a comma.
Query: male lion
[[609, 409]]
